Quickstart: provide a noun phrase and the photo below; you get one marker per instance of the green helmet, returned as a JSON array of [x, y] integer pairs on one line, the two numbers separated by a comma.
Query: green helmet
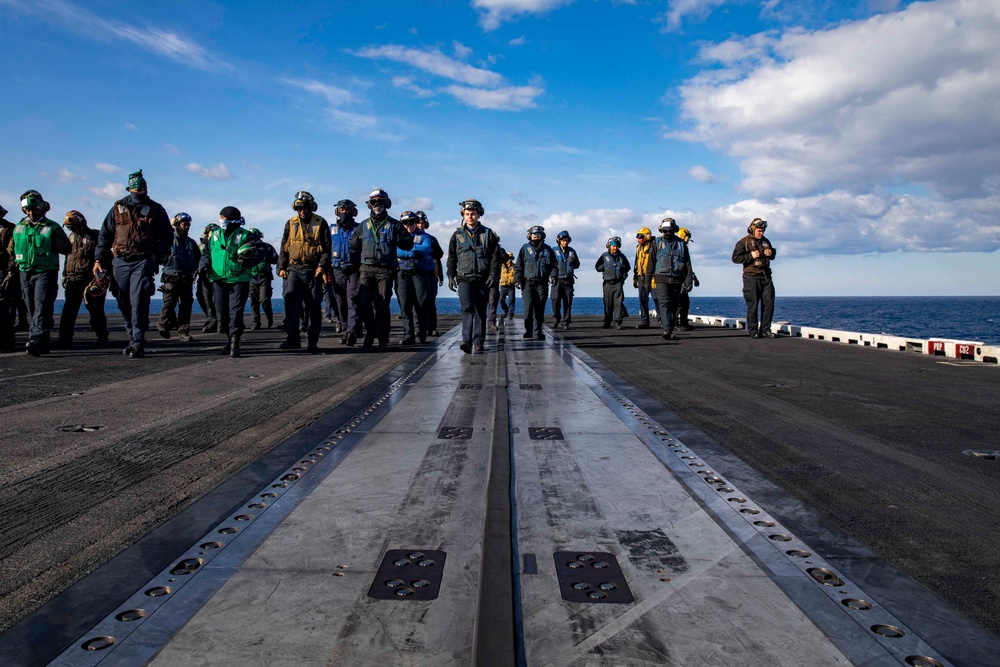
[[255, 233], [34, 199], [248, 255]]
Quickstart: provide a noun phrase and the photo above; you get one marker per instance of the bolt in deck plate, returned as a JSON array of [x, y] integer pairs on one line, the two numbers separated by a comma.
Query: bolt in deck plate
[[455, 433], [545, 433], [531, 387], [522, 363], [409, 574], [469, 385], [592, 577]]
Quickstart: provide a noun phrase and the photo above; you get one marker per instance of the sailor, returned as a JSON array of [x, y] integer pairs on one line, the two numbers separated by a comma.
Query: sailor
[[411, 280], [533, 269], [136, 236], [614, 267], [345, 265], [672, 271], [78, 271], [35, 246], [567, 261], [642, 276], [9, 291], [473, 267], [684, 303], [435, 277], [756, 253], [376, 240], [177, 280], [507, 288], [203, 289], [304, 259], [261, 277], [227, 261], [493, 297]]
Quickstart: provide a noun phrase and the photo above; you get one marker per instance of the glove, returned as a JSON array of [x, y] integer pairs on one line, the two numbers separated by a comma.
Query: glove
[[520, 285], [453, 283], [686, 287], [440, 282], [696, 283], [552, 281], [491, 281], [635, 282]]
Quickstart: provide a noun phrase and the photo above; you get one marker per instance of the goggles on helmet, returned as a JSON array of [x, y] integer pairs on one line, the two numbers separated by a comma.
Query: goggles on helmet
[[615, 241]]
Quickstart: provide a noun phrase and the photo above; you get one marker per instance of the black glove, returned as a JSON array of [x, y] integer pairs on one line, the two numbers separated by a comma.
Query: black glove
[[696, 283], [491, 281], [453, 283], [686, 287], [635, 282], [552, 281], [520, 285]]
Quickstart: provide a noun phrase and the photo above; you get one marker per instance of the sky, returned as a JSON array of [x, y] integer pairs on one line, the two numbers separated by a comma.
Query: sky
[[866, 132]]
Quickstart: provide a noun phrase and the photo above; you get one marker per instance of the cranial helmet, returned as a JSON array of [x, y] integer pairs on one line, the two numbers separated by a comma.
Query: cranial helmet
[[423, 218], [756, 222], [348, 206], [73, 218], [179, 218], [379, 193], [643, 232], [303, 198], [408, 217], [209, 228], [3, 211], [684, 234], [32, 199], [536, 230], [563, 235], [97, 288], [614, 241], [471, 205], [669, 225], [255, 234], [136, 182]]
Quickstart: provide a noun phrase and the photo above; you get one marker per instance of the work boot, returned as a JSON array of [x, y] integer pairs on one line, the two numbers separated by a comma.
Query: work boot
[[422, 337], [465, 347], [102, 340], [289, 344], [352, 338], [539, 336], [136, 352], [164, 332], [210, 327], [435, 333], [409, 340], [340, 328], [185, 337], [33, 348], [127, 351], [270, 321], [479, 347], [234, 347], [669, 335], [368, 342], [383, 347], [255, 327], [312, 348], [227, 348], [527, 334]]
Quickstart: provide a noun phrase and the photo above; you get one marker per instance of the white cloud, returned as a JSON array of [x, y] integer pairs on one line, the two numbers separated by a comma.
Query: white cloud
[[678, 10], [493, 13], [701, 174], [173, 150], [107, 167], [66, 176], [407, 84], [895, 99], [336, 97], [422, 204], [155, 40], [518, 41], [512, 98], [461, 50], [433, 62], [109, 190], [217, 173], [558, 148], [131, 126]]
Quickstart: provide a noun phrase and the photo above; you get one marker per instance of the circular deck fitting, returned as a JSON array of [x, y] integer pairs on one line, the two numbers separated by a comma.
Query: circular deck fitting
[[98, 643], [737, 500], [405, 592], [586, 558], [988, 454], [131, 615], [338, 574], [697, 465], [749, 510], [187, 566], [597, 595], [343, 567], [269, 494], [244, 517], [575, 564], [257, 506], [608, 586], [581, 586], [923, 661], [825, 576], [711, 479], [778, 537], [689, 458], [416, 555], [856, 604], [427, 562], [599, 565], [228, 530], [681, 451], [159, 591], [401, 562], [888, 631], [280, 485], [299, 469], [764, 524], [725, 489], [81, 428], [210, 545], [290, 477], [394, 583], [420, 583]]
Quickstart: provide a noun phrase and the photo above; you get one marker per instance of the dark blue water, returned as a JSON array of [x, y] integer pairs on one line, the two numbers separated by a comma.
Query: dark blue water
[[966, 317]]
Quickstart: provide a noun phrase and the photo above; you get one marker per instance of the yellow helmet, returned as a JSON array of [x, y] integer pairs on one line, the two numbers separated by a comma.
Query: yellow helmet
[[685, 234], [643, 232]]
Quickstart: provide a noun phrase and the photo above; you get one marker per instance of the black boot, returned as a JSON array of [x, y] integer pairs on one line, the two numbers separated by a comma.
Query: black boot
[[234, 347]]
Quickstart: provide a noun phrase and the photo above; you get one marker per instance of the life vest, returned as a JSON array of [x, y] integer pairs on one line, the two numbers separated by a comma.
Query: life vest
[[134, 229], [182, 261], [669, 257], [377, 246], [224, 264], [263, 268], [507, 274], [341, 256], [614, 267], [565, 262], [537, 261], [473, 252], [33, 246], [80, 260], [419, 257], [305, 240]]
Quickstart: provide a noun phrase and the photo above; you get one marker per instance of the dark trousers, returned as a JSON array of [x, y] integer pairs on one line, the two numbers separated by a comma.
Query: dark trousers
[[38, 288], [230, 302], [177, 293], [8, 312], [206, 299], [132, 284], [73, 294], [303, 293], [331, 308], [562, 302], [758, 291], [683, 307], [535, 294], [345, 291], [260, 297], [492, 300], [508, 300], [614, 302], [644, 291], [474, 296], [413, 294], [374, 297], [668, 295], [432, 293]]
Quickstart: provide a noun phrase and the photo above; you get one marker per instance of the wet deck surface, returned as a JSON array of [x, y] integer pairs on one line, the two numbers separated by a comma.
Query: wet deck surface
[[856, 452]]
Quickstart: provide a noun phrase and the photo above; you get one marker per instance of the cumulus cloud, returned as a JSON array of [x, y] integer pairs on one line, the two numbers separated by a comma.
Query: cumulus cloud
[[66, 176], [218, 172], [494, 13], [109, 190], [679, 10], [107, 167], [858, 105], [701, 174], [461, 50], [422, 204]]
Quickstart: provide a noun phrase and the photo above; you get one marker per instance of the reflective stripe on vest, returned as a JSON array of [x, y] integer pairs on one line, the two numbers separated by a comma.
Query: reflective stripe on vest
[[564, 262], [669, 257], [537, 262], [473, 262], [377, 249], [224, 265], [304, 244], [33, 246], [613, 265]]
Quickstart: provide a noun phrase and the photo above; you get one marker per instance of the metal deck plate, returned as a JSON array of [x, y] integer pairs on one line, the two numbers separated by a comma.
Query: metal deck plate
[[545, 433], [409, 574], [592, 577], [455, 433]]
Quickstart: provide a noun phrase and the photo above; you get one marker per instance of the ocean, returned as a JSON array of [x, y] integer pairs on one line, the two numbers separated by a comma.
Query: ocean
[[975, 318]]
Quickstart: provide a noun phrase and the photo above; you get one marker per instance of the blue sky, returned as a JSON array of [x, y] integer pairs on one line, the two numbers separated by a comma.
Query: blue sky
[[867, 133]]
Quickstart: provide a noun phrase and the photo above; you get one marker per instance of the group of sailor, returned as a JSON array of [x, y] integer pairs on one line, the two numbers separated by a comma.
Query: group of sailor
[[355, 266]]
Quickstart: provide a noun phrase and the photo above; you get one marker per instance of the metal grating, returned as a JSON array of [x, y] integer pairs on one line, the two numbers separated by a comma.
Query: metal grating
[[531, 387], [469, 385], [409, 574], [455, 433], [545, 433], [592, 577]]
